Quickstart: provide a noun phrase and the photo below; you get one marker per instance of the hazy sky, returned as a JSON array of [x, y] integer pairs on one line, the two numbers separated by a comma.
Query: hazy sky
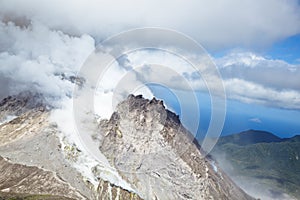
[[255, 45]]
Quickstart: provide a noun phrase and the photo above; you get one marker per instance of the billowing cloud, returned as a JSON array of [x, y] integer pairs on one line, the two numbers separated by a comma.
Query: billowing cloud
[[246, 76], [215, 24], [255, 79], [276, 74], [42, 42], [39, 59]]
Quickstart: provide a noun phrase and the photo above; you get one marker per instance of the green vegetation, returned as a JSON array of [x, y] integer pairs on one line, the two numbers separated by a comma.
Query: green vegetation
[[275, 162]]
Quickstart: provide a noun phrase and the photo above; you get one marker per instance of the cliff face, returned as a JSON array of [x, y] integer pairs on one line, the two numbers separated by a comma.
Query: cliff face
[[152, 150]]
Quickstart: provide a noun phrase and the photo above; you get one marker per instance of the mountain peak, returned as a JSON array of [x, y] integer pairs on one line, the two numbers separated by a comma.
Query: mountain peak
[[142, 106], [151, 149]]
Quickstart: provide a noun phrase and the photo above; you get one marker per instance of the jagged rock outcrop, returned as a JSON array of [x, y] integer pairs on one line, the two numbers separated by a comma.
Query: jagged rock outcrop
[[106, 190], [18, 104], [154, 153]]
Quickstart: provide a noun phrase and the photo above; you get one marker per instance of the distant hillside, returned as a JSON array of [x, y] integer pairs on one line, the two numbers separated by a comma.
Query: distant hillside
[[250, 137], [264, 158], [293, 139]]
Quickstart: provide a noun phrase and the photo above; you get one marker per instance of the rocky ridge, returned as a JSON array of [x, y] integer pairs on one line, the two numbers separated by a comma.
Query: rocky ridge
[[151, 150]]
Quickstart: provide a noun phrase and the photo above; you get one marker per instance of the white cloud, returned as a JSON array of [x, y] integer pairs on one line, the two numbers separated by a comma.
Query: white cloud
[[247, 77], [215, 24], [250, 92], [33, 53], [251, 78], [32, 61], [276, 74], [36, 57], [256, 120]]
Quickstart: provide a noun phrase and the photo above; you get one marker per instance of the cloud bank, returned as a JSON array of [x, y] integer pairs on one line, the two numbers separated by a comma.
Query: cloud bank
[[251, 78], [42, 43], [216, 24], [37, 59]]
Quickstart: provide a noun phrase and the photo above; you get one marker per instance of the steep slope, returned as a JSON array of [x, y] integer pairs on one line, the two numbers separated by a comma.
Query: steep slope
[[21, 179], [38, 164], [271, 164], [152, 150], [29, 141]]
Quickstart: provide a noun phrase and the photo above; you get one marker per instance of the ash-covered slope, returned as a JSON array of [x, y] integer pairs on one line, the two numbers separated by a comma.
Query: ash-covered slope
[[21, 179], [36, 164], [155, 154], [33, 164]]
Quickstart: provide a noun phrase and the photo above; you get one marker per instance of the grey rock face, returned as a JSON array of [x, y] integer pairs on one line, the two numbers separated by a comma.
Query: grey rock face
[[152, 150], [18, 104], [36, 165], [106, 190]]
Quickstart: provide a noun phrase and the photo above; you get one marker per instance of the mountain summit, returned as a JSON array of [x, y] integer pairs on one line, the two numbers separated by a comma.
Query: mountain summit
[[153, 152]]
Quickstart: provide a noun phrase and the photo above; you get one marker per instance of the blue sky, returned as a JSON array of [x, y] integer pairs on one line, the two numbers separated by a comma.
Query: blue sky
[[282, 122], [287, 49], [268, 67], [243, 116], [239, 116]]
